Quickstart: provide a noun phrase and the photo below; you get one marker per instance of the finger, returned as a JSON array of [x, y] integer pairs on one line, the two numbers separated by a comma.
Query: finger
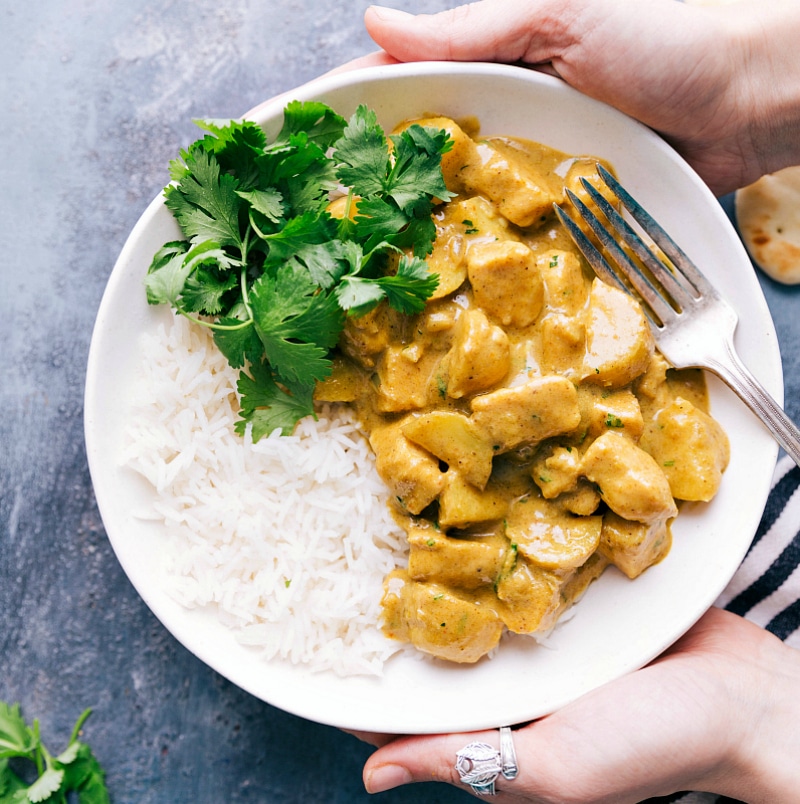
[[430, 759], [489, 30]]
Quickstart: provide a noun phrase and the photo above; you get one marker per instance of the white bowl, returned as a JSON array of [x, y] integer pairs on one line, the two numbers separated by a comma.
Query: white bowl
[[619, 625]]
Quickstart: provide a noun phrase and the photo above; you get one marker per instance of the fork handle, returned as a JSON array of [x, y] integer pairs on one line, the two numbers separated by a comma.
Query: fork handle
[[738, 377]]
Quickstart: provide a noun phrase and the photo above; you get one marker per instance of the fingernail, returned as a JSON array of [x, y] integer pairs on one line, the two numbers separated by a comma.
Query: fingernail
[[390, 14], [385, 777]]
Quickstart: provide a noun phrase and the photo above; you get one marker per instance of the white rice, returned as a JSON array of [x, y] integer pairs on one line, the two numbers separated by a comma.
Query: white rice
[[290, 538]]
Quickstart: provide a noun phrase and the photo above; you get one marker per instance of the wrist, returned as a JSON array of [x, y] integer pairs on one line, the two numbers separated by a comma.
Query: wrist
[[764, 766], [768, 91]]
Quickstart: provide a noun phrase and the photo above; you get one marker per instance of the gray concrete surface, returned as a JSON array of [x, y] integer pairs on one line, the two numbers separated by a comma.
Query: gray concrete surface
[[96, 97]]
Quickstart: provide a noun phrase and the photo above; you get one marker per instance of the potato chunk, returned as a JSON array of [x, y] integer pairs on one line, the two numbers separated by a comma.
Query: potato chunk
[[438, 621], [454, 439], [462, 505], [412, 474], [630, 481], [550, 538], [691, 448], [527, 413], [619, 341], [505, 282], [632, 547], [479, 357]]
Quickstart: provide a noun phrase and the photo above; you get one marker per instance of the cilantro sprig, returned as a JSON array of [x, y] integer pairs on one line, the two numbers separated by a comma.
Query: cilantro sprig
[[270, 271], [74, 770]]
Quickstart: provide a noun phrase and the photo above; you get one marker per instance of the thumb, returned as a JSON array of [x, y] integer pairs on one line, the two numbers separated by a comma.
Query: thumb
[[489, 30], [428, 759]]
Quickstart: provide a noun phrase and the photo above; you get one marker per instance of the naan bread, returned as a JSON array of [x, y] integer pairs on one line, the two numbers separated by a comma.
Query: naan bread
[[768, 216]]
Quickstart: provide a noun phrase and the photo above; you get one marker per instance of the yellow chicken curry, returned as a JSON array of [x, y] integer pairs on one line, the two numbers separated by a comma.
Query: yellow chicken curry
[[530, 433]]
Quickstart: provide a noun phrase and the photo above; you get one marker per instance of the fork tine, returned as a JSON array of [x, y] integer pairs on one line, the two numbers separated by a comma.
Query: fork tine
[[590, 251], [651, 295], [676, 289], [653, 229]]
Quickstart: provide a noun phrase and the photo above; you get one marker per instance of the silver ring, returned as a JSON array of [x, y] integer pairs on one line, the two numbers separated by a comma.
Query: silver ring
[[479, 764]]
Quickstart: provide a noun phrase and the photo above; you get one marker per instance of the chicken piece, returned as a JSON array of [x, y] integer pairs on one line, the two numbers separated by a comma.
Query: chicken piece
[[563, 343], [629, 480], [603, 410], [550, 538], [556, 470], [651, 387], [462, 505], [565, 286], [405, 378], [438, 621], [691, 448], [583, 500], [520, 195], [619, 343], [412, 474], [468, 562], [479, 357], [505, 282], [527, 413], [454, 439], [632, 547], [530, 597], [365, 337]]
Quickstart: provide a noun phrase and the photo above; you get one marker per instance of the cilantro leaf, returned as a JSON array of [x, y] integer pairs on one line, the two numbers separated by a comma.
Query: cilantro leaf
[[235, 143], [16, 739], [173, 264], [85, 775], [47, 784], [239, 345], [296, 323], [408, 289], [416, 174], [363, 154], [267, 407], [10, 783], [204, 291], [205, 202], [303, 230], [268, 202], [319, 122]]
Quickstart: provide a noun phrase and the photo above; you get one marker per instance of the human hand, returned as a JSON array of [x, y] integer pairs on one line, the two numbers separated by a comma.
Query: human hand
[[721, 84], [719, 711]]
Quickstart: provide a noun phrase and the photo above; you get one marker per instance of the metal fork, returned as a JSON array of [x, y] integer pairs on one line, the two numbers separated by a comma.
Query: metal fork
[[692, 324]]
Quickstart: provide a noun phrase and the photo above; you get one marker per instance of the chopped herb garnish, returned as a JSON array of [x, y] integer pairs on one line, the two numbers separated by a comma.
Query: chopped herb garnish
[[614, 421]]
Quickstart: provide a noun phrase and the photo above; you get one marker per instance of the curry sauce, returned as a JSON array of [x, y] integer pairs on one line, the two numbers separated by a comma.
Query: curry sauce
[[529, 431]]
